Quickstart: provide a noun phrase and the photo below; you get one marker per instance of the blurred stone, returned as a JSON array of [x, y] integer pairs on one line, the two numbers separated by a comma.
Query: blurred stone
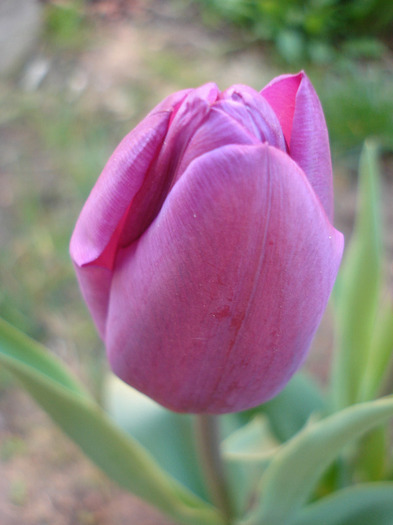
[[20, 25], [35, 73]]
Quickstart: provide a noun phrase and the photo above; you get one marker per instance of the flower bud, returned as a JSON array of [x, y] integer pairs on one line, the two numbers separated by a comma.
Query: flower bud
[[206, 251]]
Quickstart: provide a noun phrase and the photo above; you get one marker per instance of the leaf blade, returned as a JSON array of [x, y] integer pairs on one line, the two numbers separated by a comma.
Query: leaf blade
[[17, 346], [144, 419], [289, 411], [362, 505], [298, 464], [120, 457], [358, 287]]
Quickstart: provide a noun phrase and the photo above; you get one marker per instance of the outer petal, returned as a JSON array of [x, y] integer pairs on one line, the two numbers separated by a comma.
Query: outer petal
[[97, 233], [214, 307], [165, 169], [300, 113], [95, 283], [121, 179], [94, 242]]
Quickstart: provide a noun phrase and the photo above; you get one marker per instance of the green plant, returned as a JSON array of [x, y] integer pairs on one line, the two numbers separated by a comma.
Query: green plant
[[307, 29], [66, 25], [358, 104]]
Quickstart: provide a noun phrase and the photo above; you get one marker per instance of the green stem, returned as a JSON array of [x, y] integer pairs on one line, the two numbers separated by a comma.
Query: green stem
[[208, 441]]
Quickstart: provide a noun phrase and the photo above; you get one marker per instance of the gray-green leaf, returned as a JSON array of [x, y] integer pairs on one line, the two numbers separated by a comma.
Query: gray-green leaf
[[297, 466], [361, 505], [119, 456]]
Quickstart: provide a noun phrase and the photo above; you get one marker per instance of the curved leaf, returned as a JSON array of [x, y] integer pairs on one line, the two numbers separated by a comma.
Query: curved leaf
[[17, 347], [119, 456], [357, 289], [252, 442], [377, 372], [362, 505], [247, 452], [290, 410], [145, 420], [297, 466]]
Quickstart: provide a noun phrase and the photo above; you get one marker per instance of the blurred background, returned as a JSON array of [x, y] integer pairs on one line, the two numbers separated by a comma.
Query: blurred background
[[75, 77]]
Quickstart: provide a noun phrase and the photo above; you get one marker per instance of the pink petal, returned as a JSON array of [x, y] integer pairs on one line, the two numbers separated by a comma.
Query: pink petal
[[94, 239], [218, 129], [95, 284], [247, 105], [213, 308], [164, 170], [281, 95], [301, 116], [239, 116], [124, 189], [309, 145], [94, 242]]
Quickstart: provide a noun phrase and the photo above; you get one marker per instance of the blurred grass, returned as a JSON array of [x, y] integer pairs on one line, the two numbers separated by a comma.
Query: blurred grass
[[66, 26], [58, 151], [358, 103]]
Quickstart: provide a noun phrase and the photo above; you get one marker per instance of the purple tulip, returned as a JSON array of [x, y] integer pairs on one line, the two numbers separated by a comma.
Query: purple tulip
[[206, 251]]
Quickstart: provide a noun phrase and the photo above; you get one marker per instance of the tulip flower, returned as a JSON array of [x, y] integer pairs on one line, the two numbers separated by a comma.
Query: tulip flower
[[206, 252]]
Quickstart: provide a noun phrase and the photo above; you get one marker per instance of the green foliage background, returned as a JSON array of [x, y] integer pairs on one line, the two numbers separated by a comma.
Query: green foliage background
[[311, 29]]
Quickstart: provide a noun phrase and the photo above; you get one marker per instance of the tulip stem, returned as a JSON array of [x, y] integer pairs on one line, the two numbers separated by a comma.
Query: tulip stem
[[208, 442]]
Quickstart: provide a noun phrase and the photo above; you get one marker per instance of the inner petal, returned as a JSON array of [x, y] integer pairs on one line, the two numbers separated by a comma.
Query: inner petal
[[251, 109], [162, 172], [218, 129]]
